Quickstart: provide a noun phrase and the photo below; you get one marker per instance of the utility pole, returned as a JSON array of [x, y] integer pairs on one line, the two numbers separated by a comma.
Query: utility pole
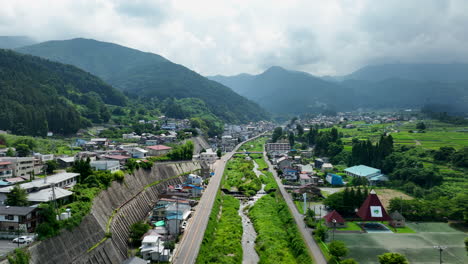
[[440, 248]]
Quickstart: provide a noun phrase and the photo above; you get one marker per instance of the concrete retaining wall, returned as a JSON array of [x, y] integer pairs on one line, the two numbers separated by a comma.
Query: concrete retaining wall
[[132, 201]]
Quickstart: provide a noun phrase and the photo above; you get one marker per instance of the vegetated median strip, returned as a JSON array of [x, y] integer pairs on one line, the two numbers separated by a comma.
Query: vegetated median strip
[[115, 211], [223, 234]]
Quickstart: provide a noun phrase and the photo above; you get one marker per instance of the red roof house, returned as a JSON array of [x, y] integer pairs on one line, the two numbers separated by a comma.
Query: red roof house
[[336, 216], [372, 209], [158, 150]]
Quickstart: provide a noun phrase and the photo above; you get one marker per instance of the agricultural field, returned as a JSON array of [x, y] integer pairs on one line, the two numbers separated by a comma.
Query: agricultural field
[[436, 135], [417, 247]]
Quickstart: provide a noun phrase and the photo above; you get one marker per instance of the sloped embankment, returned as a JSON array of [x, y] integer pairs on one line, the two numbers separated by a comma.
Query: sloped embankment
[[102, 236]]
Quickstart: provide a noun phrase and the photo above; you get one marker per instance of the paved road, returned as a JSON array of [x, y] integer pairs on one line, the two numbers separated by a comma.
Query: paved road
[[306, 232], [187, 251]]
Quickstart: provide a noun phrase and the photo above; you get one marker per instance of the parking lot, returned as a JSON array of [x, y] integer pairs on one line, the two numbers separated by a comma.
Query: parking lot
[[7, 246]]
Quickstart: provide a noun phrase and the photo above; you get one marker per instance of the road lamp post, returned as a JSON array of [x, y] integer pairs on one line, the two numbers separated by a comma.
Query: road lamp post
[[334, 227], [440, 248]]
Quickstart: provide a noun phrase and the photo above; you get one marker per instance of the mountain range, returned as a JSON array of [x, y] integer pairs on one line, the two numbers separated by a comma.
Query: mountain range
[[147, 75], [391, 86], [13, 42]]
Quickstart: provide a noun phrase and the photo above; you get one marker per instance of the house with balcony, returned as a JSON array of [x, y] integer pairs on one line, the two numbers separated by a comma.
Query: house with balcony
[[13, 218]]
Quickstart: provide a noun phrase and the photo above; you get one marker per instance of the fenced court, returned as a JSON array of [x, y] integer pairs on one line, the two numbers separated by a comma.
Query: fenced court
[[417, 247]]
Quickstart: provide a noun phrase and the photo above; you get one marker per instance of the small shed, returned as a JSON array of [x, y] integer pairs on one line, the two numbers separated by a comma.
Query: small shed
[[334, 215], [397, 219]]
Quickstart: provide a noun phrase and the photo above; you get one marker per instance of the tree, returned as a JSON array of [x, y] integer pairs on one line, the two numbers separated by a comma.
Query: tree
[[82, 167], [444, 154], [52, 165], [337, 249], [17, 197], [219, 153], [291, 139], [137, 230], [10, 152], [300, 130], [392, 258], [321, 233], [420, 126], [23, 150], [277, 133]]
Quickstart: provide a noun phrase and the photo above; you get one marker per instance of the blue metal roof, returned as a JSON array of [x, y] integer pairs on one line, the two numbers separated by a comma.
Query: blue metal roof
[[362, 170]]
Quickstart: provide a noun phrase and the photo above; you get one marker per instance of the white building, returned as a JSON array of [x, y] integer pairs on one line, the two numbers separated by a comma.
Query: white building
[[22, 166], [110, 165], [209, 156]]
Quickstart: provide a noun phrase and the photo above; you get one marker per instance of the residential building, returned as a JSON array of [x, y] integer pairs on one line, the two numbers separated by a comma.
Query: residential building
[[309, 169], [327, 166], [279, 147], [100, 141], [66, 162], [304, 179], [158, 150], [22, 166], [110, 165], [138, 153], [209, 156], [120, 158], [13, 218], [284, 162], [6, 170], [152, 247], [194, 179], [43, 186]]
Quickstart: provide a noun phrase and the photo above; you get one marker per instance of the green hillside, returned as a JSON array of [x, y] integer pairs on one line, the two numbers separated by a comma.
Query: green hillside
[[39, 96], [147, 75]]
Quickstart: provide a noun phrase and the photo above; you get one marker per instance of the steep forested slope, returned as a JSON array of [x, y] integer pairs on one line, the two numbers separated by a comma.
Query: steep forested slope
[[39, 96], [148, 75]]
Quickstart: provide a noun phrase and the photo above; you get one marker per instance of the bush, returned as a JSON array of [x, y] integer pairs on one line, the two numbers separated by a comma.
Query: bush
[[119, 176], [137, 230]]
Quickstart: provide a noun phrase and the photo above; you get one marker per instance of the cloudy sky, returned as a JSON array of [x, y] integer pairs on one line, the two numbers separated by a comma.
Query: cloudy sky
[[229, 37]]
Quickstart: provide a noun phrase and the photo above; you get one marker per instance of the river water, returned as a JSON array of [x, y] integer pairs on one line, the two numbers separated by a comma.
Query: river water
[[249, 235]]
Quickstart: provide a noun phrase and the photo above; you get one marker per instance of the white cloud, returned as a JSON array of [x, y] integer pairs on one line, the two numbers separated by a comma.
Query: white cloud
[[231, 36]]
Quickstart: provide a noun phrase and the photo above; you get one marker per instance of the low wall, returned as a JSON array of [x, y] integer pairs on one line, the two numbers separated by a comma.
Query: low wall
[[127, 202]]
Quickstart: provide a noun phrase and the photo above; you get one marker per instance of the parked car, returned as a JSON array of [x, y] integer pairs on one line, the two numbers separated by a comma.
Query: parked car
[[22, 240], [184, 224]]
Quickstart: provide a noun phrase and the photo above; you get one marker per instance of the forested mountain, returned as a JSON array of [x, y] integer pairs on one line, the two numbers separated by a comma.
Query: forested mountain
[[13, 42], [148, 75], [284, 91], [38, 95], [417, 72]]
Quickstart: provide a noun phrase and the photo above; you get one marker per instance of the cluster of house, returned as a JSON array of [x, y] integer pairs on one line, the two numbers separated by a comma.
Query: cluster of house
[[169, 218], [370, 210], [233, 134], [51, 188], [292, 169], [367, 118]]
